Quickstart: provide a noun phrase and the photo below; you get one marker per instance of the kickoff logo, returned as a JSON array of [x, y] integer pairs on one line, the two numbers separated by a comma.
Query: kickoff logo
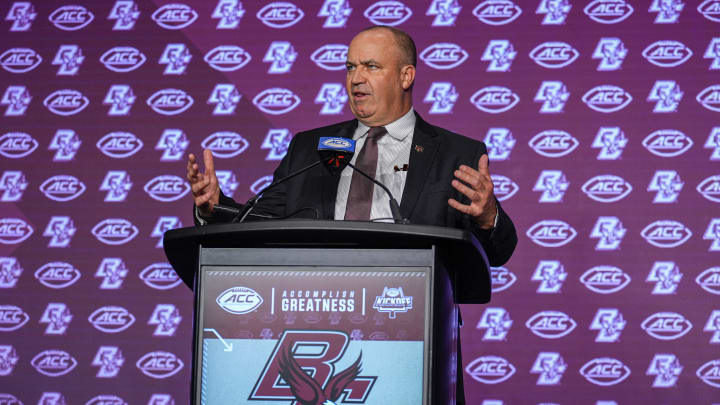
[[125, 13], [229, 13], [336, 13], [57, 275], [666, 325], [667, 53], [280, 14], [553, 143], [494, 99], [173, 143], [442, 56], [500, 143], [159, 364], [17, 145], [551, 275], [554, 55], [666, 233], [167, 188], [551, 233], [605, 371], [114, 231], [608, 11], [17, 98], [123, 59], [228, 58], [71, 18], [330, 56], [710, 188], [53, 363], [170, 101], [497, 12], [503, 187], [611, 141], [605, 279], [60, 230], [174, 16], [606, 188], [501, 278], [120, 98], [607, 98], [710, 98], [119, 145], [20, 60], [551, 324], [160, 276], [22, 14], [390, 13], [490, 369], [66, 102], [667, 143], [14, 231], [111, 319], [225, 144], [276, 101], [12, 318], [13, 184]]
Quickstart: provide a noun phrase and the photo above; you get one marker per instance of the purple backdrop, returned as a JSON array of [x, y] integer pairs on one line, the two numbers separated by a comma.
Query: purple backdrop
[[602, 123]]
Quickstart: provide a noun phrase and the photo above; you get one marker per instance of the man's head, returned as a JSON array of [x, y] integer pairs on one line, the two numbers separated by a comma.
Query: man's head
[[380, 74]]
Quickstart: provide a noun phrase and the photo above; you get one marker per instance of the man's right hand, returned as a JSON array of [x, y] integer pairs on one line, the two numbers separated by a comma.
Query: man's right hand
[[205, 187]]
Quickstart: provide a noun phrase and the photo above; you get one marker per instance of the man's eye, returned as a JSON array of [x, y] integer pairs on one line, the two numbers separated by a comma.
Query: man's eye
[[350, 68]]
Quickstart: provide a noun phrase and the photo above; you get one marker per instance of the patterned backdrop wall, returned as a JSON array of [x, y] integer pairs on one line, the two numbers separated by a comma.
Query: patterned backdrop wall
[[602, 121]]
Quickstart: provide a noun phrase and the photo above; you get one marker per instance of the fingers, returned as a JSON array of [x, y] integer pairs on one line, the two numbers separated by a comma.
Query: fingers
[[483, 164], [191, 169], [465, 209], [208, 160]]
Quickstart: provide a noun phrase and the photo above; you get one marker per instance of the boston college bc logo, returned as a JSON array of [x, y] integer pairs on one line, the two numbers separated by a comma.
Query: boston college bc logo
[[312, 379]]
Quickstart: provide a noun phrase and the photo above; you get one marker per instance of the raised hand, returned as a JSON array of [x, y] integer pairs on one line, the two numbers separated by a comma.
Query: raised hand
[[478, 187], [205, 187]]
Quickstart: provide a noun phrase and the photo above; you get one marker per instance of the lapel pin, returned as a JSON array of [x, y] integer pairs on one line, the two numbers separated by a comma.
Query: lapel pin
[[419, 149]]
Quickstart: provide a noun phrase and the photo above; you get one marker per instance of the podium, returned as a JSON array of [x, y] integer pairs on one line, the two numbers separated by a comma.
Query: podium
[[304, 311]]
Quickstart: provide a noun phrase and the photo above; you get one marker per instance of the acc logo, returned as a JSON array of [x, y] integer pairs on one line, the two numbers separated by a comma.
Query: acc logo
[[605, 371], [500, 143], [111, 319], [606, 188], [166, 223], [501, 278], [388, 13], [666, 276], [443, 55], [229, 12], [225, 96], [225, 144], [10, 271], [667, 95], [553, 184], [13, 318], [443, 96], [173, 143], [500, 53], [503, 187], [667, 143], [239, 300], [57, 275], [176, 57], [280, 14], [710, 9], [667, 53], [333, 97], [119, 144], [278, 141], [167, 318], [555, 11], [710, 373], [551, 324], [174, 16], [611, 141], [120, 98], [126, 14], [668, 185], [66, 102], [159, 364], [668, 13], [69, 57], [445, 12], [20, 60], [666, 368], [608, 11], [123, 59], [611, 52], [170, 101], [330, 56], [494, 99], [54, 363], [71, 18], [497, 323], [336, 12], [60, 230], [260, 184], [13, 184], [22, 14], [551, 233], [710, 188], [553, 143], [607, 98], [709, 280], [14, 231], [160, 276], [666, 325], [710, 97], [166, 188], [551, 274], [16, 145], [114, 231], [550, 366], [497, 12], [113, 272], [490, 369], [228, 58], [605, 279], [276, 101], [554, 55], [553, 95], [666, 233]]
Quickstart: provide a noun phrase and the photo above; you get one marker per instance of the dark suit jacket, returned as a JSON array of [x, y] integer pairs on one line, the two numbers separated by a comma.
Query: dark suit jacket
[[435, 154]]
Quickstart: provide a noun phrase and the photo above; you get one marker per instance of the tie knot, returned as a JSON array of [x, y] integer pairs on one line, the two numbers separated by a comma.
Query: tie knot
[[377, 132]]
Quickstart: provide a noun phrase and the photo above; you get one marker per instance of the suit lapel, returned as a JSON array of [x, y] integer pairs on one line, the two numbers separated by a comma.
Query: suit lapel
[[422, 155], [329, 181]]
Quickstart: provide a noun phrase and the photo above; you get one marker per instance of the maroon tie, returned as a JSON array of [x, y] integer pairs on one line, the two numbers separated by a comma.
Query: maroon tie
[[360, 196]]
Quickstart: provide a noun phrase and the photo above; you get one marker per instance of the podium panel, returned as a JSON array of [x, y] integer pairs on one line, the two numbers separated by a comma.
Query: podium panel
[[349, 326]]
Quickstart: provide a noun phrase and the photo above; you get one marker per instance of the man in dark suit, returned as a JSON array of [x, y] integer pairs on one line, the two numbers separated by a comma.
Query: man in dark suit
[[443, 177]]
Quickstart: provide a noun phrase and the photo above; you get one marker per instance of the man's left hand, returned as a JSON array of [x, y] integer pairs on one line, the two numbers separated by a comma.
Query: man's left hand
[[478, 187]]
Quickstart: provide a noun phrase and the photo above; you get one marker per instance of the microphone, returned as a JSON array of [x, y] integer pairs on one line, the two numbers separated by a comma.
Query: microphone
[[338, 152]]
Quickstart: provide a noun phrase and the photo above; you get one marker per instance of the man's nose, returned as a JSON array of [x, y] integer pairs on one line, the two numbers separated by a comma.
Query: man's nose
[[356, 76]]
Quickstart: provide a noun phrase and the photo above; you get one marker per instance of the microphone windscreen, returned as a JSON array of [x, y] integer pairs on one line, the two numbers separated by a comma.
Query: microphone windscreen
[[336, 152]]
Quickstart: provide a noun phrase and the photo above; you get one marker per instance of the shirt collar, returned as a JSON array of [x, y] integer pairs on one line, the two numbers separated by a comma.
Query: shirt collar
[[398, 129]]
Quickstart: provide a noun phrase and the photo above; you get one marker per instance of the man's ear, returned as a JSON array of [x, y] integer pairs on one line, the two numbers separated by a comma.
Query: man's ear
[[407, 76]]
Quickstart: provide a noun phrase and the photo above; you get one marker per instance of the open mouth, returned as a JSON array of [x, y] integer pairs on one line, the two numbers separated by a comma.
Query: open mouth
[[359, 95]]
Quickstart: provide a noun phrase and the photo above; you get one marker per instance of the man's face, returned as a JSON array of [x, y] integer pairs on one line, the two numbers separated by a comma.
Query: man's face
[[374, 78]]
